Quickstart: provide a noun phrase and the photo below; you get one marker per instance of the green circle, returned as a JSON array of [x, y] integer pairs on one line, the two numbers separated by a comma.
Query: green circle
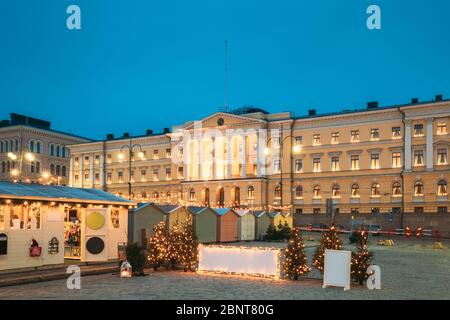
[[95, 221]]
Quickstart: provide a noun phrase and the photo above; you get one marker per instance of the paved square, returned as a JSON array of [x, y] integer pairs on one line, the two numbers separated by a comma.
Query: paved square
[[410, 270]]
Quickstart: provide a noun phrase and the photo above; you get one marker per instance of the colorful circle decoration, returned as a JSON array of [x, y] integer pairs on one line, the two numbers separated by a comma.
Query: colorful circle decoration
[[95, 221], [95, 245]]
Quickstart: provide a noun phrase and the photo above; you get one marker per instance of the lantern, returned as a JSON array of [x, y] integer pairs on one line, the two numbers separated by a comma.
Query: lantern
[[125, 270]]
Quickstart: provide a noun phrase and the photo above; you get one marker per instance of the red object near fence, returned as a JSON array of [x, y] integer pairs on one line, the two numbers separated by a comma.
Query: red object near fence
[[407, 232], [419, 232]]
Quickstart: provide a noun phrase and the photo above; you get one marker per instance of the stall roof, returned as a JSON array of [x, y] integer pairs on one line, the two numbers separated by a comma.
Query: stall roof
[[260, 213], [222, 211], [196, 210], [168, 208], [242, 212], [57, 193]]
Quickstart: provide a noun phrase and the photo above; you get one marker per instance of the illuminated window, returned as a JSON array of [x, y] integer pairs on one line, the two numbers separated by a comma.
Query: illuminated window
[[168, 174], [120, 177], [76, 179], [442, 188], [396, 190], [355, 162], [97, 159], [180, 173], [441, 128], [192, 195], [97, 178], [418, 130], [316, 192], [375, 161], [396, 160], [277, 192], [299, 192], [298, 165], [396, 133], [335, 137], [418, 189], [180, 151], [442, 156], [143, 175], [374, 134], [109, 178], [418, 158], [277, 166], [168, 153], [375, 190], [299, 141], [316, 139], [155, 154], [316, 165], [251, 193], [131, 176], [155, 175], [335, 192], [354, 210], [355, 191], [335, 164]]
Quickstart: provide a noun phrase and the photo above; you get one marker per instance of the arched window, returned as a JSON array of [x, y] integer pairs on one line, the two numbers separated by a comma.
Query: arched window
[[57, 151], [38, 167], [8, 166], [251, 193], [396, 190], [206, 196], [220, 197], [58, 170], [3, 166], [52, 150], [38, 147], [63, 171], [355, 191], [17, 145], [63, 151], [316, 192], [192, 195], [418, 189], [442, 188], [11, 145], [52, 169], [237, 196], [299, 192], [31, 146], [1, 147], [375, 190], [277, 192], [335, 192]]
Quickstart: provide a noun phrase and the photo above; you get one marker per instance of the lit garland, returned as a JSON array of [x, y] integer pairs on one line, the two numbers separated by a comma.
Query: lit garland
[[55, 204], [295, 263], [157, 247], [330, 240], [242, 249]]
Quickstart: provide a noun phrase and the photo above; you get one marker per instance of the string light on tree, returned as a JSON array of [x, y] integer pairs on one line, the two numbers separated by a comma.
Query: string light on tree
[[330, 240], [295, 263]]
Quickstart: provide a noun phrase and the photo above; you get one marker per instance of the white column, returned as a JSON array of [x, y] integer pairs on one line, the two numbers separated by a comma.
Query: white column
[[430, 149], [199, 158], [407, 150], [91, 170], [102, 171], [186, 157], [229, 156], [258, 155], [71, 173], [213, 158], [81, 173], [244, 158]]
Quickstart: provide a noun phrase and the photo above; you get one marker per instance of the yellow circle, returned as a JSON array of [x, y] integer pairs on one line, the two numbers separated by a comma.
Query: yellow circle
[[95, 221]]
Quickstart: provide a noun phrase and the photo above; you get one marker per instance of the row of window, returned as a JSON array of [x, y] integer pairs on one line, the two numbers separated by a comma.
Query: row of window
[[395, 210], [374, 134], [141, 155], [35, 167], [396, 190], [9, 146], [120, 176], [33, 146]]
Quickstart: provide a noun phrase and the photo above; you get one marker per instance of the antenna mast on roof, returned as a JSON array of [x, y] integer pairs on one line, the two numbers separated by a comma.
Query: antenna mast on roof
[[225, 82]]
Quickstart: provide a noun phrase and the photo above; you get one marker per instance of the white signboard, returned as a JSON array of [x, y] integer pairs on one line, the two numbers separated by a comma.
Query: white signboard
[[240, 260], [337, 269]]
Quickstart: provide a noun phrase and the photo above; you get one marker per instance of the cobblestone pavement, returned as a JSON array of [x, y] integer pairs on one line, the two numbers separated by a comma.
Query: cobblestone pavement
[[409, 271]]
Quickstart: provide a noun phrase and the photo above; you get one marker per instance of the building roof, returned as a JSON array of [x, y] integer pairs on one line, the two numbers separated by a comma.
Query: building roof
[[242, 212], [167, 208], [222, 211], [10, 190], [247, 110], [196, 210], [260, 213]]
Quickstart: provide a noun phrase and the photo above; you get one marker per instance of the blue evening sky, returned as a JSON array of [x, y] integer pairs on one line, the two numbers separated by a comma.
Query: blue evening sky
[[141, 64]]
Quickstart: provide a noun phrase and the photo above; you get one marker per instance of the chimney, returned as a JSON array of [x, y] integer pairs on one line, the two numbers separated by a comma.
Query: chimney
[[126, 135], [109, 136], [312, 112], [414, 100], [438, 97], [372, 105], [149, 132], [166, 130]]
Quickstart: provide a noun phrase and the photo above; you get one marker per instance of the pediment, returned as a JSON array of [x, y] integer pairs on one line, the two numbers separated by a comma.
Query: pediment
[[223, 119]]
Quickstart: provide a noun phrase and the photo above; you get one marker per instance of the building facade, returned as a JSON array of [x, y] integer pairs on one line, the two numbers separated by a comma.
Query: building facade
[[372, 162], [30, 151]]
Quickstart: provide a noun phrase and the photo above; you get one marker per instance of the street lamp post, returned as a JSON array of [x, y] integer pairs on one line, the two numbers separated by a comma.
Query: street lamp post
[[27, 155], [130, 146]]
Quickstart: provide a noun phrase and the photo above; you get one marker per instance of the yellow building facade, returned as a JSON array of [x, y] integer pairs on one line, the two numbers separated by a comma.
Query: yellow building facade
[[368, 162]]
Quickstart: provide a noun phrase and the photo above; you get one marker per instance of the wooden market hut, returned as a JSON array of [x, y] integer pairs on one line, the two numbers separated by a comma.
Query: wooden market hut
[[204, 223], [263, 221], [146, 216], [280, 218], [227, 225], [246, 225], [43, 225]]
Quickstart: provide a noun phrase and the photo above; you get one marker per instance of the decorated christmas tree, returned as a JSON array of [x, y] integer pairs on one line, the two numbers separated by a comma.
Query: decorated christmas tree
[[361, 259], [295, 263], [175, 245], [157, 247], [330, 240], [189, 253]]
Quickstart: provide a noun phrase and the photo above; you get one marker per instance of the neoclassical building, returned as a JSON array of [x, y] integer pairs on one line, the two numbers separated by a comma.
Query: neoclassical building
[[376, 160], [31, 151]]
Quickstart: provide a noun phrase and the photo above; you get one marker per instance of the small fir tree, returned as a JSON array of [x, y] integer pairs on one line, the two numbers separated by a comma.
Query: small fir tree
[[295, 263], [175, 245], [136, 257], [189, 253], [271, 232], [330, 240], [361, 259], [285, 231], [157, 247]]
